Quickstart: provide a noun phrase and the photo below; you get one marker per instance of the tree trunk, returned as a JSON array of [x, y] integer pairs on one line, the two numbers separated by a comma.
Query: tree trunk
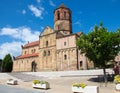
[[105, 76]]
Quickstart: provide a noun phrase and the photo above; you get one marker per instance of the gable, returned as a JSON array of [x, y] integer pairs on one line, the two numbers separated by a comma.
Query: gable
[[47, 31]]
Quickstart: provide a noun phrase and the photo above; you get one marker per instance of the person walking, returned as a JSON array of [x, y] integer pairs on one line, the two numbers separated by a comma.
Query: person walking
[[116, 69]]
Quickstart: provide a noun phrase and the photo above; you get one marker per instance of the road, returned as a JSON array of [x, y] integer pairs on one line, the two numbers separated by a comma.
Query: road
[[12, 89]]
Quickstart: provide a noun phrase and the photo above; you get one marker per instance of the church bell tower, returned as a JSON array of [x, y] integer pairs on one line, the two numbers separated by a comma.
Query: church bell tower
[[62, 20]]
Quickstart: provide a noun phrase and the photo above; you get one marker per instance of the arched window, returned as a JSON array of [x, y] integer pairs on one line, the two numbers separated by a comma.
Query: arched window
[[81, 63], [46, 43], [44, 53], [65, 15], [64, 43], [33, 50], [65, 57], [58, 15], [48, 53], [25, 52]]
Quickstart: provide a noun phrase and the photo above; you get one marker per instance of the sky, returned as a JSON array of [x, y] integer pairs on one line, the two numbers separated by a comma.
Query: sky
[[23, 20]]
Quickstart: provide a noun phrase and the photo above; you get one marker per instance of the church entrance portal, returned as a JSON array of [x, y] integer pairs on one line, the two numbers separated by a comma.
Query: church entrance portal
[[33, 66]]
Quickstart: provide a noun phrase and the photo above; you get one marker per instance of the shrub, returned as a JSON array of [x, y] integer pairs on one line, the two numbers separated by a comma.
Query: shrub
[[117, 79], [39, 82], [36, 81], [82, 85]]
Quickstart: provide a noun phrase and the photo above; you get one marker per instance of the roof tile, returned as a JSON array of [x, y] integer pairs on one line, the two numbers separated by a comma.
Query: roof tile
[[27, 56], [35, 43], [79, 33]]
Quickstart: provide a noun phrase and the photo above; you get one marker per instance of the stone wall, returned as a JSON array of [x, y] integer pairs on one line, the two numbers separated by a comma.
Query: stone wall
[[30, 50], [47, 50], [24, 64], [69, 62], [66, 53]]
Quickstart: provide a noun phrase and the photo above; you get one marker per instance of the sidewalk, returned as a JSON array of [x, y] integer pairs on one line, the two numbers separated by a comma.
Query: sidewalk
[[70, 73], [63, 82]]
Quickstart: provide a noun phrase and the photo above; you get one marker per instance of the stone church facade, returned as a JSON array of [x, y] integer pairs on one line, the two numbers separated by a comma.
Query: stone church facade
[[56, 48]]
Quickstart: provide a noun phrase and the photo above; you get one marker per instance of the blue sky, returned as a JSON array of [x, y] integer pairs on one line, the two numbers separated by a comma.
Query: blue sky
[[23, 20]]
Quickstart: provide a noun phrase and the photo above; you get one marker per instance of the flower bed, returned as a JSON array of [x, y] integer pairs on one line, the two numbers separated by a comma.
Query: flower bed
[[83, 88], [12, 82], [78, 87], [117, 82], [117, 79], [40, 84]]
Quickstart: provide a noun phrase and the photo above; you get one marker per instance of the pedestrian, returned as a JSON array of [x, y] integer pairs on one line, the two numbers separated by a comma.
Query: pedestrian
[[116, 69]]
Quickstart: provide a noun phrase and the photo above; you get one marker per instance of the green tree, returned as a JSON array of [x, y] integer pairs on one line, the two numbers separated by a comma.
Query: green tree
[[100, 46], [0, 64], [7, 63]]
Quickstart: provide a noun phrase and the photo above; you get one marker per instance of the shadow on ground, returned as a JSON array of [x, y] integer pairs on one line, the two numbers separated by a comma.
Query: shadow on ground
[[100, 78]]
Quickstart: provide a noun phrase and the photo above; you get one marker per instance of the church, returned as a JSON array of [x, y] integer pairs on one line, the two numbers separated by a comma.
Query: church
[[56, 48]]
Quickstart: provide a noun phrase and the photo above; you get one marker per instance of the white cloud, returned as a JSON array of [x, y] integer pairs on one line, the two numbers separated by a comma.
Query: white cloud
[[20, 36], [28, 36], [14, 48], [36, 11], [20, 33], [51, 3], [78, 23], [23, 12]]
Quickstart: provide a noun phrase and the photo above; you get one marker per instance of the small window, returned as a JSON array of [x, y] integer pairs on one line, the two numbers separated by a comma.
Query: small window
[[25, 52], [44, 54], [48, 53], [64, 14], [64, 43], [65, 57], [32, 50], [46, 43], [81, 63], [58, 15]]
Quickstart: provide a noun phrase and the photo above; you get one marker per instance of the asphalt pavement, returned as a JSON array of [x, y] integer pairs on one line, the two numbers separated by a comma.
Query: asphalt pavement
[[12, 89]]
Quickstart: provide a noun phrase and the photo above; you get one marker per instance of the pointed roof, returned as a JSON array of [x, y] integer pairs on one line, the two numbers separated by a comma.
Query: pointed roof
[[79, 33], [62, 6], [47, 30]]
